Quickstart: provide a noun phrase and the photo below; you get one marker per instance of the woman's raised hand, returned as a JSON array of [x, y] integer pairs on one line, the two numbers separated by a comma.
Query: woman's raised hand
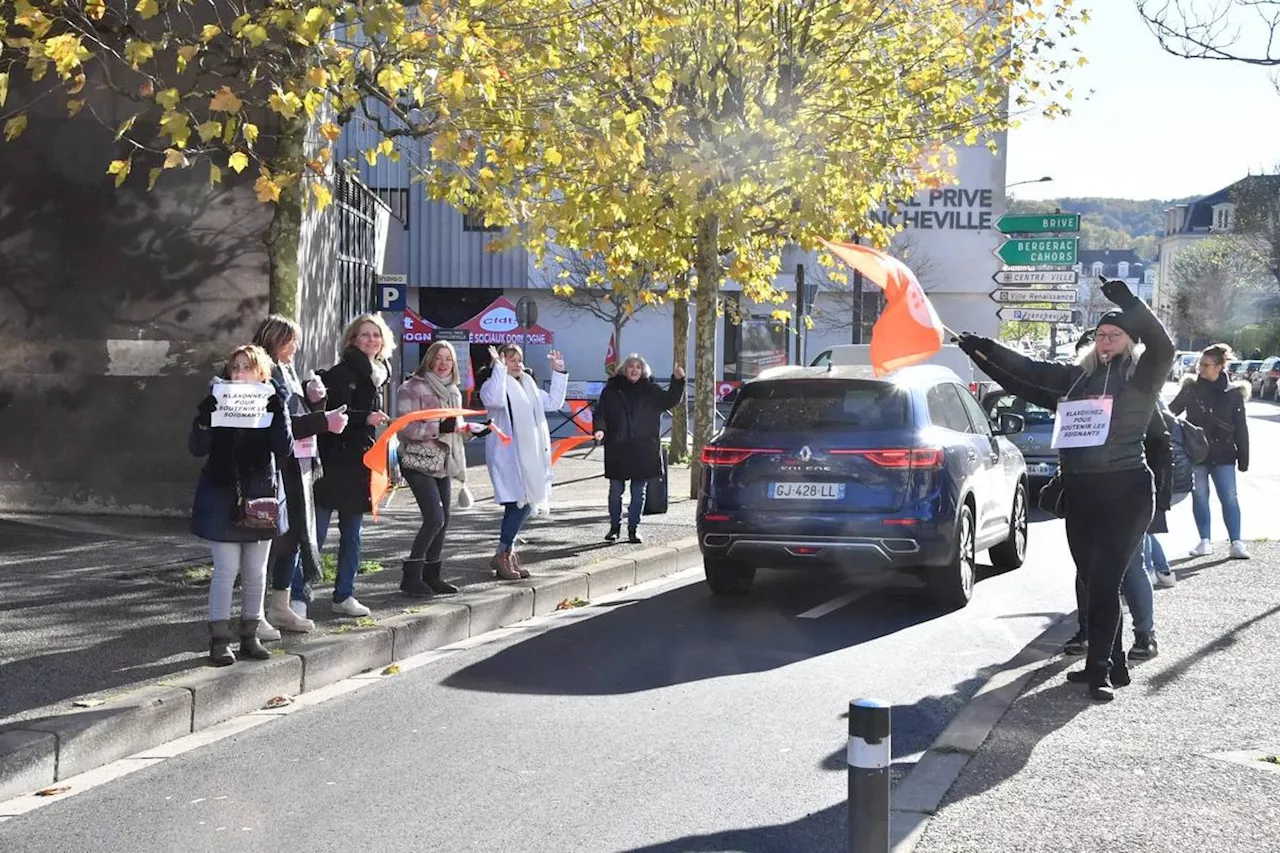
[[557, 361]]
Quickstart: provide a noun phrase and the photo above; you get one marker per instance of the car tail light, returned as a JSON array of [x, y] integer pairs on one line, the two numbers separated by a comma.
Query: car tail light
[[900, 457], [710, 517], [973, 388], [727, 457]]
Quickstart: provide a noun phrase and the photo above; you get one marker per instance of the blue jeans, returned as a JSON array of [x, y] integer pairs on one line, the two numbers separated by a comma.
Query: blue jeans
[[1224, 483], [513, 518], [1153, 556], [1136, 589], [634, 510], [349, 526], [286, 573]]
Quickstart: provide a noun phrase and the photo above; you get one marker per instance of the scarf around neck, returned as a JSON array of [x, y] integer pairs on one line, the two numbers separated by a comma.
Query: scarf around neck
[[450, 397]]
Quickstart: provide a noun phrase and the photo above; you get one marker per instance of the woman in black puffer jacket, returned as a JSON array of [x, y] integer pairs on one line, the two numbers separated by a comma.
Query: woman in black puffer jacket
[[355, 382], [1216, 405]]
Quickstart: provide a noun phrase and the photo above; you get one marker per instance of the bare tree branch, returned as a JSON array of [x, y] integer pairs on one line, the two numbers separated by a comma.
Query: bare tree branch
[[1245, 31]]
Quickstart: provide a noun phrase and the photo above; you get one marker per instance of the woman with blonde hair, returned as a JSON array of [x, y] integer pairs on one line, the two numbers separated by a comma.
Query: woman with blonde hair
[[432, 458], [238, 489], [1109, 493], [356, 382], [520, 470], [295, 557]]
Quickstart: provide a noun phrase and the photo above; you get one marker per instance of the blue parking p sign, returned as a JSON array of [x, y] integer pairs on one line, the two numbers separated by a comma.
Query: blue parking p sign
[[391, 297]]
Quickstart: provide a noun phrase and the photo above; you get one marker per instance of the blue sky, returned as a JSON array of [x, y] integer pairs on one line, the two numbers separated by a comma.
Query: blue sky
[[1156, 126]]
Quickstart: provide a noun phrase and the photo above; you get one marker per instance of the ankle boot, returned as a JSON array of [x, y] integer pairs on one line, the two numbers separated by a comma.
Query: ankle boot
[[632, 536], [615, 530], [503, 568], [431, 577], [282, 614], [1099, 680], [250, 647], [516, 566], [411, 584], [220, 653]]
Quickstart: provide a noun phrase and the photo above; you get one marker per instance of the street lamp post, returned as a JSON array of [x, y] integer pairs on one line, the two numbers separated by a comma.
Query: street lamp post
[[1043, 180]]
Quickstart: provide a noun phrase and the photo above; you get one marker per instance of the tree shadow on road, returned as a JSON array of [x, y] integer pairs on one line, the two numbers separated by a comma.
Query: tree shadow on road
[[823, 830]]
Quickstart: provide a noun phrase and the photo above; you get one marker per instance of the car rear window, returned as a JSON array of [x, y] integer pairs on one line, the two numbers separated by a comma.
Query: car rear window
[[820, 405]]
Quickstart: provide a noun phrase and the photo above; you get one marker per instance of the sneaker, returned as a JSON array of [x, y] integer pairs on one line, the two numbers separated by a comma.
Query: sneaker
[[1144, 646], [1164, 580], [350, 607], [1204, 549], [1076, 645], [267, 631], [299, 607], [1238, 551]]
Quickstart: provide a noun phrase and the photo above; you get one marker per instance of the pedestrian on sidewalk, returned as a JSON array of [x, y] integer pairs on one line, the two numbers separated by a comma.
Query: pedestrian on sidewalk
[[295, 556], [433, 458], [1181, 481], [1216, 405], [628, 419], [521, 469], [240, 467], [1109, 394], [356, 382]]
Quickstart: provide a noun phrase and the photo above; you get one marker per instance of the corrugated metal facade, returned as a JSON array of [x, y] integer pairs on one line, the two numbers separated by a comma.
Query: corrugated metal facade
[[429, 244]]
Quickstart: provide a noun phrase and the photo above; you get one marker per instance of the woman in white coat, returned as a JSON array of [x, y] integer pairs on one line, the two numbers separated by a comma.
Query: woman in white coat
[[521, 470]]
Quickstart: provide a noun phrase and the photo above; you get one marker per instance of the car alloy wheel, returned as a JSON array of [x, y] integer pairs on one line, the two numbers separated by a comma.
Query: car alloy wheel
[[966, 560]]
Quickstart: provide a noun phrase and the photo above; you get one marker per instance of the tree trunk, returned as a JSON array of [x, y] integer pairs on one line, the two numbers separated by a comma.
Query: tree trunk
[[680, 356], [707, 267], [285, 233]]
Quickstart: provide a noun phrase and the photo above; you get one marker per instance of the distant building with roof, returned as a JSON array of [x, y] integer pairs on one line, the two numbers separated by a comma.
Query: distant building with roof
[[1123, 264]]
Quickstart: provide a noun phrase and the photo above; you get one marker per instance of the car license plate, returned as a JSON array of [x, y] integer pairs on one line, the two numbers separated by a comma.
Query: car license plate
[[807, 491], [1042, 470]]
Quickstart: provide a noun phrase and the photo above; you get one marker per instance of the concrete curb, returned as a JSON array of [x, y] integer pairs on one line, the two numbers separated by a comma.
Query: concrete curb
[[37, 753], [916, 799]]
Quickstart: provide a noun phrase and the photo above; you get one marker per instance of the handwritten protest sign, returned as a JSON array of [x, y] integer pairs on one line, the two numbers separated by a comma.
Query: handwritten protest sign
[[1082, 423], [242, 404]]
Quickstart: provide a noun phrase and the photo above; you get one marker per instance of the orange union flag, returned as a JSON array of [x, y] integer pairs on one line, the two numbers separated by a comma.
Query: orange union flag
[[909, 330]]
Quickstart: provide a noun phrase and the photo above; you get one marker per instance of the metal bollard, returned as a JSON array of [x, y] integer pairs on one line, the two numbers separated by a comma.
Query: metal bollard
[[869, 758]]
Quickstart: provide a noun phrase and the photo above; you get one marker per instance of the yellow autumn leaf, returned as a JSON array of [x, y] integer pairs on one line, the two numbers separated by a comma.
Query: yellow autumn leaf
[[255, 34], [125, 127], [385, 147], [147, 9], [371, 156], [174, 159], [152, 177], [73, 107], [225, 101], [250, 132], [215, 175], [168, 98], [267, 189], [322, 195], [238, 162], [119, 168], [13, 127], [318, 77], [137, 52], [284, 103], [330, 131], [209, 130], [186, 53], [210, 32], [552, 155], [4, 87]]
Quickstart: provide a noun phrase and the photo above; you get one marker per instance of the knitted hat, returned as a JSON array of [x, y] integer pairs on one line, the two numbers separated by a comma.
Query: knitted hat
[[1118, 319]]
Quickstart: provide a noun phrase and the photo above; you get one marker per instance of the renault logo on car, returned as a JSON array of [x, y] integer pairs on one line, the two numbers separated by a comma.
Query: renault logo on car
[[805, 454]]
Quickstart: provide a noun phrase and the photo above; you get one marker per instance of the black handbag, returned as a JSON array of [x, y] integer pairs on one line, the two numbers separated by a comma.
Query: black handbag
[[1052, 498], [655, 492], [255, 513]]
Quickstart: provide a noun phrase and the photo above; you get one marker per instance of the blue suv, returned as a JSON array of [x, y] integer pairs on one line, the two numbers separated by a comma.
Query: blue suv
[[835, 469]]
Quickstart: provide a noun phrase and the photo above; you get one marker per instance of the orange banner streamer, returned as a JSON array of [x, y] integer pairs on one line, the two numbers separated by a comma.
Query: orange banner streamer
[[564, 445], [375, 458]]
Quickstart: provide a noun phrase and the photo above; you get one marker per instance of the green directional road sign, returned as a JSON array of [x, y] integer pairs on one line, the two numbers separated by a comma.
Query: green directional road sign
[[1039, 252], [1037, 223]]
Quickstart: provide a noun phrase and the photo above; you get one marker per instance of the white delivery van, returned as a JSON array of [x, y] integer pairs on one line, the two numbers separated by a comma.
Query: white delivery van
[[950, 356]]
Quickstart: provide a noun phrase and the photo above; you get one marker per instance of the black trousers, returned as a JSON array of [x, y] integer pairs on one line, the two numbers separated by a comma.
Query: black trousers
[[1107, 516], [432, 495]]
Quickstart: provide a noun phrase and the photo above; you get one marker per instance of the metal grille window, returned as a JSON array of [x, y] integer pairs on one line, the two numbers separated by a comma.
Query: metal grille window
[[357, 245]]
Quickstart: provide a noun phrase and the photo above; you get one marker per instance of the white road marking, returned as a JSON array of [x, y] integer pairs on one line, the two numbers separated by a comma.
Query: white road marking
[[835, 604]]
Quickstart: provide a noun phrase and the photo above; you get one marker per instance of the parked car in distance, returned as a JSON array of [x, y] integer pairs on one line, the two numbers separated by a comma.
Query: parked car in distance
[[1036, 439], [831, 469], [1265, 379], [1180, 361], [1233, 369], [1248, 369]]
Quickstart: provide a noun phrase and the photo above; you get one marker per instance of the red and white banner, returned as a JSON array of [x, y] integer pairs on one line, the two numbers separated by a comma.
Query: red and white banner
[[416, 329], [611, 356], [497, 324]]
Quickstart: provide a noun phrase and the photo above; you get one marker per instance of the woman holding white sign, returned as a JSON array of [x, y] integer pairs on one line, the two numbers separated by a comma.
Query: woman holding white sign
[[295, 556], [356, 382], [241, 429], [1106, 401]]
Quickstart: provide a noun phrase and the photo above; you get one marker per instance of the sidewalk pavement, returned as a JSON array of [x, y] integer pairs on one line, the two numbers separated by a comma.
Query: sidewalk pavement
[[103, 643], [1178, 762]]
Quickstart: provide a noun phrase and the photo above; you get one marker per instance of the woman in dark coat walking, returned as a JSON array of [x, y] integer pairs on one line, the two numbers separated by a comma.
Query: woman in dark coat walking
[[1216, 405], [355, 382], [240, 464], [628, 419], [295, 557]]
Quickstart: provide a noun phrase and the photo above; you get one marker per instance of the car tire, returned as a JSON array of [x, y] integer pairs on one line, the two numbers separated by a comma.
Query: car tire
[[952, 585], [728, 578], [1012, 552]]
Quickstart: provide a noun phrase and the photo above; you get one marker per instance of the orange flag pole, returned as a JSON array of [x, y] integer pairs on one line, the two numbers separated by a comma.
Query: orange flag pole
[[564, 445]]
